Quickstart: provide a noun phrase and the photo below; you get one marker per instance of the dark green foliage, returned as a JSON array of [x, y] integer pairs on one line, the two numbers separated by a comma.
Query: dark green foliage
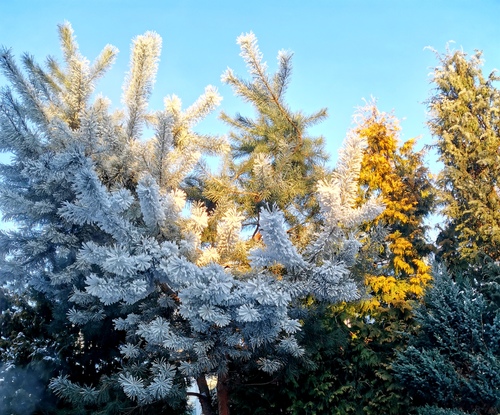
[[454, 361], [28, 356], [257, 394], [488, 276], [433, 410], [352, 374], [37, 343], [347, 372]]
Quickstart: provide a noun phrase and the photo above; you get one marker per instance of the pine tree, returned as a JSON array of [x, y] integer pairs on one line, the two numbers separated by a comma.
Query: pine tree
[[41, 246], [103, 232], [327, 381], [46, 119], [273, 160], [453, 363], [466, 123]]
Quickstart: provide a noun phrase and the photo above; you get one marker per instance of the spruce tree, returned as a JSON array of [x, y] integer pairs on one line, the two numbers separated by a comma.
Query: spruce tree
[[464, 118], [47, 117], [104, 233], [453, 364], [34, 106]]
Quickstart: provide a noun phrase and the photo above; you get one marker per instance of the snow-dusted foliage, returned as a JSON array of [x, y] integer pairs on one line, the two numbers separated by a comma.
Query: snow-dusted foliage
[[101, 227], [89, 195], [206, 316], [337, 198]]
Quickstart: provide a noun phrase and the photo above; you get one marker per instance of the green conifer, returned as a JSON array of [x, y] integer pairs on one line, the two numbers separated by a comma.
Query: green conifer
[[273, 160], [453, 362], [465, 119]]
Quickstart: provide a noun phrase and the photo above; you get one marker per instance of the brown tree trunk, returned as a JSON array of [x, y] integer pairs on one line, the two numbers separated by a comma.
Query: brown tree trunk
[[204, 396], [223, 394]]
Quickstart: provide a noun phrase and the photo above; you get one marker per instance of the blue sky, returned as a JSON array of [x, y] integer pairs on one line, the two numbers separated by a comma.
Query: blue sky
[[344, 51]]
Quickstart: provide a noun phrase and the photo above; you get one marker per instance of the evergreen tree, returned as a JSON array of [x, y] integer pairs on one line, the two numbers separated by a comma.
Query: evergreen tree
[[453, 363], [465, 120], [378, 325], [102, 234], [397, 173], [46, 118], [40, 246], [359, 340], [273, 159]]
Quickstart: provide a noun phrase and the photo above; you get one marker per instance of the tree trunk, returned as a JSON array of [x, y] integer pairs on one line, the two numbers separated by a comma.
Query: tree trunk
[[204, 396], [223, 394]]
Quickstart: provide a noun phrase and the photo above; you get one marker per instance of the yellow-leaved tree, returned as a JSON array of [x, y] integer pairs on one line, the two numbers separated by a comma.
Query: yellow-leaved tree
[[396, 172], [360, 340]]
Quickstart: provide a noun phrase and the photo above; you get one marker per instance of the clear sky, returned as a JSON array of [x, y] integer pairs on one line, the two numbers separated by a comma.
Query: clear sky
[[344, 51]]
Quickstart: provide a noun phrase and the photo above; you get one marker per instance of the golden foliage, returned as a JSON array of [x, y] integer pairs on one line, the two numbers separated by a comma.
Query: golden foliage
[[387, 171]]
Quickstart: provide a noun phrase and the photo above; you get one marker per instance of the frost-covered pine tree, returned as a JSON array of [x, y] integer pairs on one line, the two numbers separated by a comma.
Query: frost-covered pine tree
[[48, 116], [105, 230], [202, 321]]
